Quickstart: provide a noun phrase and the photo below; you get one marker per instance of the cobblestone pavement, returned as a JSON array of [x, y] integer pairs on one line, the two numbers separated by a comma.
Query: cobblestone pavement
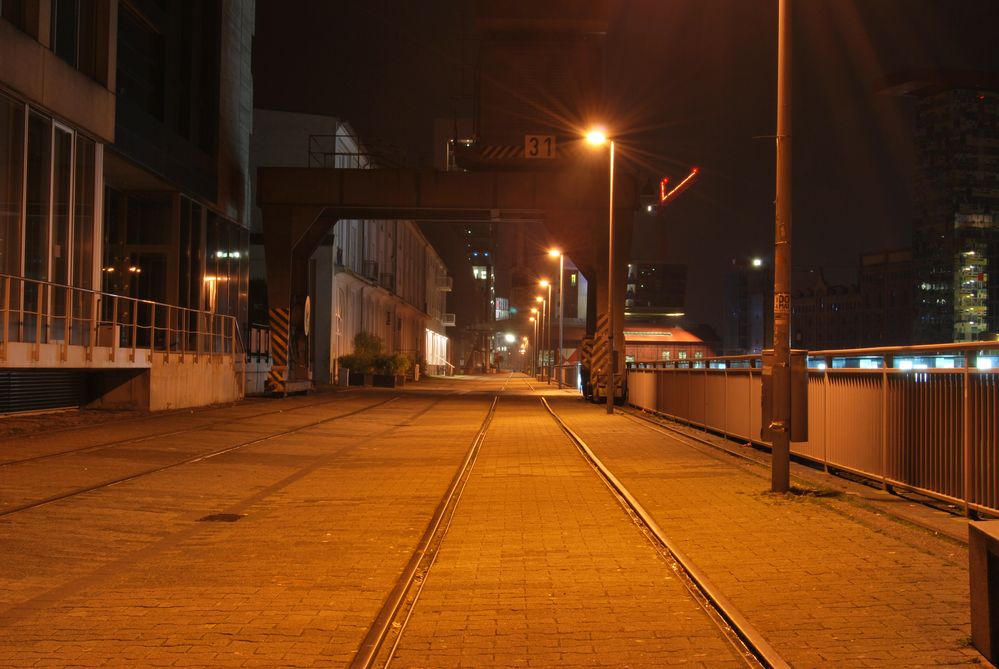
[[540, 567], [826, 585]]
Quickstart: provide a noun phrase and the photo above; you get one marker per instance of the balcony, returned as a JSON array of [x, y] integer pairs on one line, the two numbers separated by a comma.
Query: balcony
[[445, 284], [448, 320]]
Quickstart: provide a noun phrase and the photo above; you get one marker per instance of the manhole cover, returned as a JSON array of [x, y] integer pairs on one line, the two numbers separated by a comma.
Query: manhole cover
[[221, 518]]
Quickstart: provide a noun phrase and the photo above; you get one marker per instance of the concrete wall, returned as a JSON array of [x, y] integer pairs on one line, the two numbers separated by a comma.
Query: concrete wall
[[176, 385]]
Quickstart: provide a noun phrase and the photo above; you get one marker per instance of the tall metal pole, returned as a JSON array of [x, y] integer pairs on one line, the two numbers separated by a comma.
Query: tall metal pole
[[561, 315], [534, 348], [541, 334], [781, 425], [548, 332], [610, 288]]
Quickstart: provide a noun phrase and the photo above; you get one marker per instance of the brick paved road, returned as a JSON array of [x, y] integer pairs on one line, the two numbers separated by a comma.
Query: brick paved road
[[541, 567], [128, 576], [825, 587]]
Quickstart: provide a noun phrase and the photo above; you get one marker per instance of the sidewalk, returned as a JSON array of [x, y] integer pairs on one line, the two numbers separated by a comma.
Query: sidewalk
[[825, 584]]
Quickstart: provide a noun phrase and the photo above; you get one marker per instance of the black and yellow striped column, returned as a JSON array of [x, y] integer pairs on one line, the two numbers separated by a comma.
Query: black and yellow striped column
[[280, 320], [600, 358]]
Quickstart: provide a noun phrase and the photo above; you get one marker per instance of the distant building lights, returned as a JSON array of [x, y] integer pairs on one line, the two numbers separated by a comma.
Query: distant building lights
[[757, 262], [984, 363]]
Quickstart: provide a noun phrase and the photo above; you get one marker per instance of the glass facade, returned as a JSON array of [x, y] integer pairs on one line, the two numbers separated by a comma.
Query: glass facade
[[48, 180]]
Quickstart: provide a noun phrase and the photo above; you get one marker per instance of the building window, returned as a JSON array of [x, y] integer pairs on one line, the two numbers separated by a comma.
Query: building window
[[11, 177], [15, 11], [47, 181], [74, 34], [38, 179], [141, 62]]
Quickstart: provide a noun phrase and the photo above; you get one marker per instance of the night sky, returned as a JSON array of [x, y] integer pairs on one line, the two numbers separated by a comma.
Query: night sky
[[689, 82]]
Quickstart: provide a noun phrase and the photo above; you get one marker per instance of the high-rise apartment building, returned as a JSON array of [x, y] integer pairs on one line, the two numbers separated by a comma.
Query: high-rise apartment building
[[956, 227]]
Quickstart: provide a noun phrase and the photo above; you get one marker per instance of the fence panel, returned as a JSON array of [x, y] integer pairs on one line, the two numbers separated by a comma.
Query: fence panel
[[984, 440], [715, 398], [739, 407], [933, 430]]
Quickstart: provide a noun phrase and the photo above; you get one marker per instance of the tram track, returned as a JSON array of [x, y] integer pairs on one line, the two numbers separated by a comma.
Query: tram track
[[382, 638], [200, 457], [146, 437], [747, 640], [384, 635]]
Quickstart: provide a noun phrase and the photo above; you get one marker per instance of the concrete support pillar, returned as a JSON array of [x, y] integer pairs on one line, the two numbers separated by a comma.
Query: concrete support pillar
[[290, 237]]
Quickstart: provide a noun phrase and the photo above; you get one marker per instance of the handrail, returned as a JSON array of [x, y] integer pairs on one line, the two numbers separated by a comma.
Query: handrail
[[40, 312], [882, 352]]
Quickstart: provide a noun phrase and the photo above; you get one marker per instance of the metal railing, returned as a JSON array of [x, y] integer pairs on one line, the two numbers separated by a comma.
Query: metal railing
[[929, 426], [40, 313]]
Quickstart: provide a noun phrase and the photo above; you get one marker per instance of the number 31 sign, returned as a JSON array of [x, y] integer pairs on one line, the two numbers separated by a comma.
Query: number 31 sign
[[539, 146]]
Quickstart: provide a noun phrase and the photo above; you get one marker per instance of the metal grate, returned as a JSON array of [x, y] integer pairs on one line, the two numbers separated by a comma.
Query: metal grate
[[39, 389]]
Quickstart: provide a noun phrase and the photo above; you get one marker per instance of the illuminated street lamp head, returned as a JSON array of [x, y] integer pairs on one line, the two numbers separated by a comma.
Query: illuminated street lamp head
[[534, 310], [757, 262], [531, 319], [596, 137], [538, 298], [554, 253], [543, 283]]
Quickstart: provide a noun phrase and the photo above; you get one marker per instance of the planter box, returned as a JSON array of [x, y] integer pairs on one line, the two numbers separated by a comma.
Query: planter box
[[389, 380], [356, 379]]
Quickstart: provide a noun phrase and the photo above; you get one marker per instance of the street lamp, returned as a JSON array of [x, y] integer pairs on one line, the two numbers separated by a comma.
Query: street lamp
[[541, 335], [598, 138], [561, 308], [545, 283], [534, 350]]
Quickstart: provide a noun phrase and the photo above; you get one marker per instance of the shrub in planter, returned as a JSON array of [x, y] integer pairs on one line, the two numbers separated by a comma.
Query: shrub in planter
[[369, 366]]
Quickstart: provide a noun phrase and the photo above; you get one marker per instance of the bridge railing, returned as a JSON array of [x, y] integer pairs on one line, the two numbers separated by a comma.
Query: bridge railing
[[923, 418], [38, 313]]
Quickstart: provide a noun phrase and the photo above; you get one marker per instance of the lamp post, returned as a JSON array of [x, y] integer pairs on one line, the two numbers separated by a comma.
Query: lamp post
[[541, 334], [534, 349], [545, 283], [561, 309], [780, 425], [598, 138]]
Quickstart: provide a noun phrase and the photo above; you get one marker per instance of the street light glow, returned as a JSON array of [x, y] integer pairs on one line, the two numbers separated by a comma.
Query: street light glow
[[543, 283], [757, 262], [510, 338], [538, 298], [554, 253], [596, 137]]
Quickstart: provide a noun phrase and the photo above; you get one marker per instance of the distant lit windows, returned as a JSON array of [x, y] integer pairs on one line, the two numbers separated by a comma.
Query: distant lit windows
[[480, 272]]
